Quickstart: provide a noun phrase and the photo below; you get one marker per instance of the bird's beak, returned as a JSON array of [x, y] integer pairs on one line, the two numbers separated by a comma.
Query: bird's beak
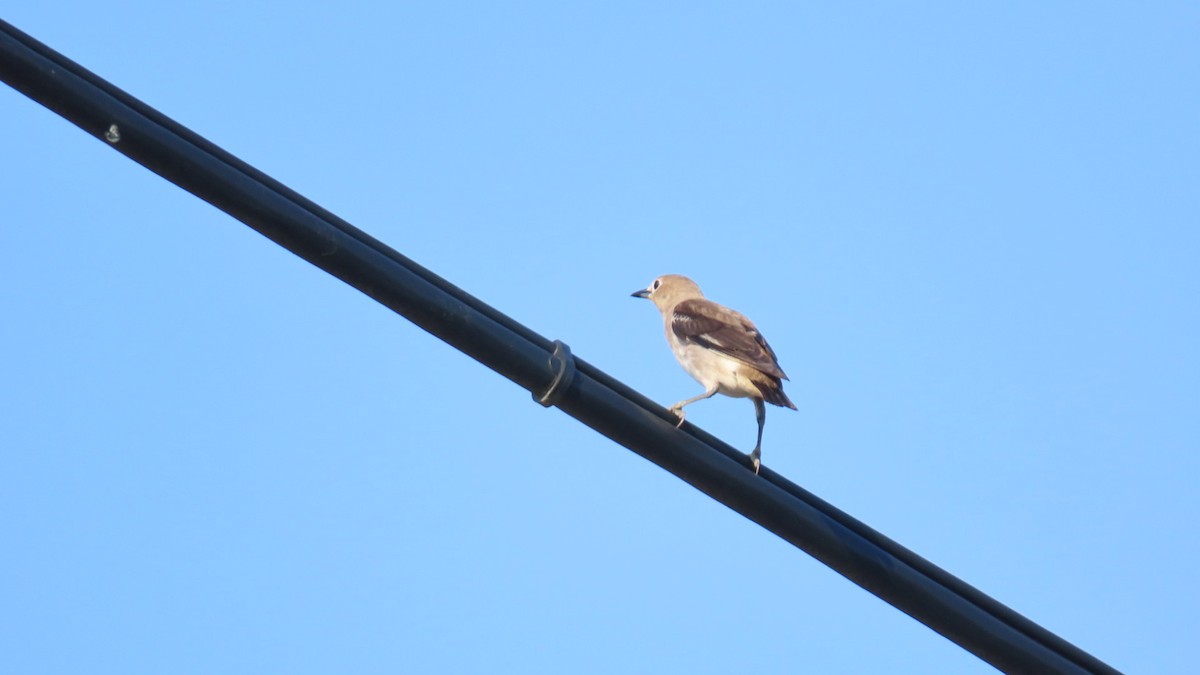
[[640, 294]]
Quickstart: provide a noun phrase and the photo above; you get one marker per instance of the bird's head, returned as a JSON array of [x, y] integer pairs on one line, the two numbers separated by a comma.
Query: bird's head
[[668, 290]]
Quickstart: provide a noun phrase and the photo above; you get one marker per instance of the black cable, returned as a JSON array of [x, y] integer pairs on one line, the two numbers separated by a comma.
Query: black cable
[[978, 623]]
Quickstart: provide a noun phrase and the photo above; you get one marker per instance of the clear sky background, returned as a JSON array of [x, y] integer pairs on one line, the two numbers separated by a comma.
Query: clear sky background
[[972, 234]]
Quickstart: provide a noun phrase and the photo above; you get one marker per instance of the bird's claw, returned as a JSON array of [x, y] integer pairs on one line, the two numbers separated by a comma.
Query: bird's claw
[[677, 410], [756, 459]]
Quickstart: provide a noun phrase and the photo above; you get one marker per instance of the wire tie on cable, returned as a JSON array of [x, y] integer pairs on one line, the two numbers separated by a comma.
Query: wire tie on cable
[[562, 365]]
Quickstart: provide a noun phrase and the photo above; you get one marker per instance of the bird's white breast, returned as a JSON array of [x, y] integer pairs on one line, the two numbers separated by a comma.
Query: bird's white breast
[[712, 368]]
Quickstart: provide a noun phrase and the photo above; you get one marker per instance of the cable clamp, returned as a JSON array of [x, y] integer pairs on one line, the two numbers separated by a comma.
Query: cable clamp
[[562, 364]]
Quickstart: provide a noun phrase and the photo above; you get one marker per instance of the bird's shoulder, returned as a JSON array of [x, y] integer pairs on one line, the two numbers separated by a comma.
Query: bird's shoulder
[[696, 316]]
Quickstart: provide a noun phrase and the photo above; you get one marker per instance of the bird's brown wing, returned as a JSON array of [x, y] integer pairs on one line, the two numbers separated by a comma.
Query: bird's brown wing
[[723, 330]]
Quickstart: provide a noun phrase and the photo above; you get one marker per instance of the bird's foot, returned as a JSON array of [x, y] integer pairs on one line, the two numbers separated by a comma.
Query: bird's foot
[[756, 459], [677, 410]]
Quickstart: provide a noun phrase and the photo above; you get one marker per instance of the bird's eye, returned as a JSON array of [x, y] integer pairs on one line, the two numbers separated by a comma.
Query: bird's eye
[[657, 283]]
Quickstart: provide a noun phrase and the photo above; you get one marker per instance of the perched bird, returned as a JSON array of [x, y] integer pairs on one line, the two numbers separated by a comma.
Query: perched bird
[[719, 347]]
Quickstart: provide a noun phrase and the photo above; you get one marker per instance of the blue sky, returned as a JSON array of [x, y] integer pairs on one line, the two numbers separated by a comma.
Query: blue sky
[[970, 233]]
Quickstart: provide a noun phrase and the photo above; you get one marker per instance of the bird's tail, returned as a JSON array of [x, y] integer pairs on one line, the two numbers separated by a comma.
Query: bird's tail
[[772, 392]]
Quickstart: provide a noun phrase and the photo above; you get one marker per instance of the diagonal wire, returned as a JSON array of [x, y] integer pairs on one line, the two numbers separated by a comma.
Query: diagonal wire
[[948, 605]]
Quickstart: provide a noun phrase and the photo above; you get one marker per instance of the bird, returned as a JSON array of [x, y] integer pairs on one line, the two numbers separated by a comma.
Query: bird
[[720, 348]]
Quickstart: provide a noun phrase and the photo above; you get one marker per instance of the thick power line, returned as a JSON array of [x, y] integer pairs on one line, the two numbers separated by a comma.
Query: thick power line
[[978, 623]]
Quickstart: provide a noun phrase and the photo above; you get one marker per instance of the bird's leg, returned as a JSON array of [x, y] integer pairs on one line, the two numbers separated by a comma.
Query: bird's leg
[[678, 407], [760, 412]]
